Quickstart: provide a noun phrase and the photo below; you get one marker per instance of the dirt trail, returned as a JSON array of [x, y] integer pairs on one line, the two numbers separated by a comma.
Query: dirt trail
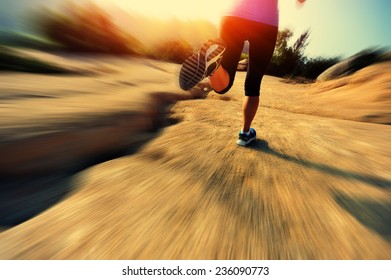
[[311, 187]]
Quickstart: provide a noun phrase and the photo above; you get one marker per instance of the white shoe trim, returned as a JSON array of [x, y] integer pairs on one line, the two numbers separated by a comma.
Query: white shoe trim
[[243, 143], [210, 50]]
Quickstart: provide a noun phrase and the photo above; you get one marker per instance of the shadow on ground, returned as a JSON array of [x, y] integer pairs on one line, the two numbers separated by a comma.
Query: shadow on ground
[[23, 197], [263, 146], [372, 214]]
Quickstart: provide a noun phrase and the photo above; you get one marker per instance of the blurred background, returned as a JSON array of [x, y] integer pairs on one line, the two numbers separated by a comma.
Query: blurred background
[[312, 37], [85, 85]]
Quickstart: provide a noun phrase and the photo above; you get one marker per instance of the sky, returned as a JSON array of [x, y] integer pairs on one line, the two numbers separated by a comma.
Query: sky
[[338, 27]]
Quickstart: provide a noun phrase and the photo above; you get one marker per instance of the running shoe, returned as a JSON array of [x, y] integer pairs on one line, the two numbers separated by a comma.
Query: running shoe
[[245, 139], [202, 64]]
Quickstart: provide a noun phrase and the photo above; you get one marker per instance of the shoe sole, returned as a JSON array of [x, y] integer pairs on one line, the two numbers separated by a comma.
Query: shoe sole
[[196, 67]]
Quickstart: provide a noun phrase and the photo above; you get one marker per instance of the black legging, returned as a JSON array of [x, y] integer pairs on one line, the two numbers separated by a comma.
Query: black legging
[[262, 39]]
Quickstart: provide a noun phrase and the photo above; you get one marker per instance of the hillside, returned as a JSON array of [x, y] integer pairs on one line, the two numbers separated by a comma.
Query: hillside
[[122, 164]]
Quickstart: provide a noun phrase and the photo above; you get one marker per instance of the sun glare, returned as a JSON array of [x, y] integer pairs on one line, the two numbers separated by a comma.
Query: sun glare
[[191, 9]]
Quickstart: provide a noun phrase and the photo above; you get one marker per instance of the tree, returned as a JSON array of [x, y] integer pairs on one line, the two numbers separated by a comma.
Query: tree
[[86, 29], [287, 59], [298, 58]]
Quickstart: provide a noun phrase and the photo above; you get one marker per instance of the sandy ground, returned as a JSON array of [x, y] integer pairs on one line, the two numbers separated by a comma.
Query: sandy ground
[[121, 164]]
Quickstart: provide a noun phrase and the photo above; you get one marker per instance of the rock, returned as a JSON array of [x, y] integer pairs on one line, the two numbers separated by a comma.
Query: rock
[[351, 64], [242, 65]]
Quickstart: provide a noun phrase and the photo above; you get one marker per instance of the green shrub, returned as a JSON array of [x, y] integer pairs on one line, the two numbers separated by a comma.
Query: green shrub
[[243, 56], [313, 67]]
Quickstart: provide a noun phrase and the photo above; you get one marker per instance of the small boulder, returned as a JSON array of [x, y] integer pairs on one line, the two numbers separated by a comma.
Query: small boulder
[[242, 65]]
